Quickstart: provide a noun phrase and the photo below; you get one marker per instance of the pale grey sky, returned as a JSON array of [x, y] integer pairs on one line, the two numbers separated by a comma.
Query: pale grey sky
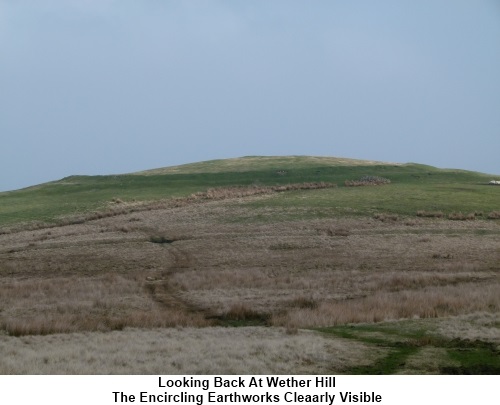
[[115, 86]]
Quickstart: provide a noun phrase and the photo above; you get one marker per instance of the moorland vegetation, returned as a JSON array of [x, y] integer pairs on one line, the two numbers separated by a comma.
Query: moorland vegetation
[[354, 266]]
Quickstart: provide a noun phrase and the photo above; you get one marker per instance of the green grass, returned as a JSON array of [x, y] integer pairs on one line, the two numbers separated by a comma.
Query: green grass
[[397, 198], [268, 163], [414, 187], [474, 358], [406, 338]]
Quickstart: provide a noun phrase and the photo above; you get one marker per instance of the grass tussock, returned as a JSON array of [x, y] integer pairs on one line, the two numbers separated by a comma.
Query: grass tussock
[[386, 217], [430, 214], [459, 216], [116, 200], [338, 231], [494, 215]]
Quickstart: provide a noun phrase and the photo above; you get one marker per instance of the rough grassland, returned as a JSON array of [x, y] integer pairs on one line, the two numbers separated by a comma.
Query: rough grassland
[[413, 187], [376, 269], [251, 350], [249, 163]]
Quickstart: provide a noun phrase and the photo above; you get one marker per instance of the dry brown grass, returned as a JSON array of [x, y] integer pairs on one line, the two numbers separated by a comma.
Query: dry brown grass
[[223, 193], [71, 304], [406, 304], [494, 215], [241, 312], [474, 326], [386, 217], [459, 216], [107, 274], [250, 350], [222, 262]]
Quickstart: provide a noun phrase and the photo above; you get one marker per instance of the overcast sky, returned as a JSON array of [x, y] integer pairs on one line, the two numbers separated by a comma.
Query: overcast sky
[[116, 86]]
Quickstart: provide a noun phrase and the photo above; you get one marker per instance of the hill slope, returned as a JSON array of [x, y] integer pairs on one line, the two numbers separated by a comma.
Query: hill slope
[[138, 257], [413, 187]]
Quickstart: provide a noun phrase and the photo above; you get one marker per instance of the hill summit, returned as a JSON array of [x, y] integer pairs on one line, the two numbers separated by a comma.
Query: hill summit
[[251, 163]]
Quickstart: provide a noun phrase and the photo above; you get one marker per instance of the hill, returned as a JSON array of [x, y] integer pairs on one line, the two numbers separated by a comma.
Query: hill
[[273, 265], [414, 187]]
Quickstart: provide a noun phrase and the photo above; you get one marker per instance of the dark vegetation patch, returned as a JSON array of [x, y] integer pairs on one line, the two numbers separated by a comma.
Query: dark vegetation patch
[[395, 359], [161, 239], [430, 214], [367, 181], [473, 356], [304, 302], [473, 369], [241, 315]]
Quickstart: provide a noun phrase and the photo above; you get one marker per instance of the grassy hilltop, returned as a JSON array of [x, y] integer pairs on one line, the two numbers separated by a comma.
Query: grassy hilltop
[[255, 265], [413, 187]]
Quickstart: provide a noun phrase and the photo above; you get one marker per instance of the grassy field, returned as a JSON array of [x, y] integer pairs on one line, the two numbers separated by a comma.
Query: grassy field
[[413, 187], [299, 272]]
